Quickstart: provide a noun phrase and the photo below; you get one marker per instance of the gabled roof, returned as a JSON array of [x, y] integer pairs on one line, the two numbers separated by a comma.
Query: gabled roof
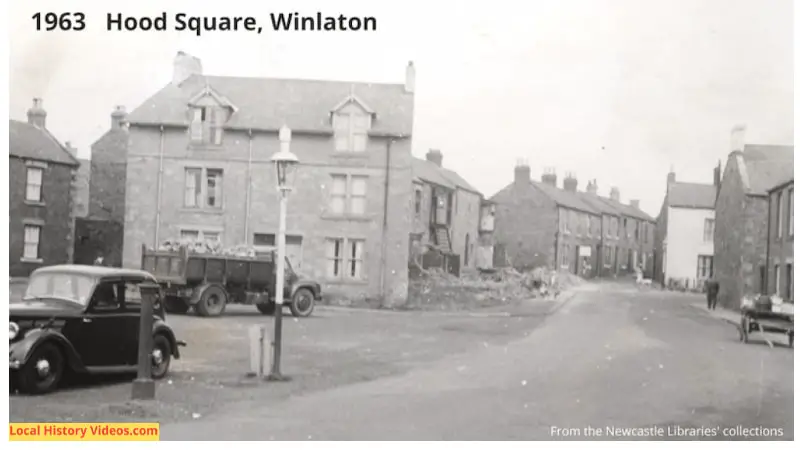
[[781, 184], [28, 141], [219, 98], [424, 170], [766, 166], [353, 99], [269, 103], [691, 195]]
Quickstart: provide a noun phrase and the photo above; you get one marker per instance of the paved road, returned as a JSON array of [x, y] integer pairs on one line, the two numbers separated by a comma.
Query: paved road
[[613, 357]]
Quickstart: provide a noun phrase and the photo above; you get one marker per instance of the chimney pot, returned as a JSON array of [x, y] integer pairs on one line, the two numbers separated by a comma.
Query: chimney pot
[[614, 194], [570, 182], [549, 177], [635, 203], [434, 156], [118, 117], [184, 66], [37, 115], [411, 75]]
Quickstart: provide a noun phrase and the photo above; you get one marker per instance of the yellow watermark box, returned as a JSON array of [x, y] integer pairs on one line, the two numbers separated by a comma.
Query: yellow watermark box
[[57, 431]]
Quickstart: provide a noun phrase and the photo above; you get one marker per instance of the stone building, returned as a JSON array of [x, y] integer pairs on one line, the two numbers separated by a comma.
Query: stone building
[[198, 167], [447, 212], [539, 224], [685, 235], [42, 173], [780, 238], [741, 216]]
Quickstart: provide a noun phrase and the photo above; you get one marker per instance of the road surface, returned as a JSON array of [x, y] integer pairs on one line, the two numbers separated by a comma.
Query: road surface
[[612, 359]]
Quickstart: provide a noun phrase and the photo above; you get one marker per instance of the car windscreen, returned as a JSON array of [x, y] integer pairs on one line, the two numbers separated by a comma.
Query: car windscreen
[[64, 286]]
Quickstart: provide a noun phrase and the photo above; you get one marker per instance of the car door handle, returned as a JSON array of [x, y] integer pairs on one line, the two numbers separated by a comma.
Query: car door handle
[[86, 320]]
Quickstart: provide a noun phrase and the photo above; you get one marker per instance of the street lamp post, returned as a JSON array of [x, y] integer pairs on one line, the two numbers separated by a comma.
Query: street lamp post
[[144, 388], [285, 165]]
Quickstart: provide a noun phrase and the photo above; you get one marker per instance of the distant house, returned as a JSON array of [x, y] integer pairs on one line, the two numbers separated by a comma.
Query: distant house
[[685, 235], [780, 237], [447, 213], [540, 225], [197, 166], [741, 217], [41, 195]]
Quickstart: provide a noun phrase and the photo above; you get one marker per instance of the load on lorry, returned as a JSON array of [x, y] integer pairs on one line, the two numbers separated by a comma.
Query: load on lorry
[[206, 277]]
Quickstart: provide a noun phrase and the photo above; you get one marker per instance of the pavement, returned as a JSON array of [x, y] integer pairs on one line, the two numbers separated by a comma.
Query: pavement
[[613, 356]]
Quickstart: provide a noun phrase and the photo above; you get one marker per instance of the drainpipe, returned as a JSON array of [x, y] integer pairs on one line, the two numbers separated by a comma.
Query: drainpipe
[[385, 224], [765, 282], [160, 183], [249, 187]]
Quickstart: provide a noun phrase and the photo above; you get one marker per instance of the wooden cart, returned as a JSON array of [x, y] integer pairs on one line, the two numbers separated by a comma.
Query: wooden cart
[[766, 321]]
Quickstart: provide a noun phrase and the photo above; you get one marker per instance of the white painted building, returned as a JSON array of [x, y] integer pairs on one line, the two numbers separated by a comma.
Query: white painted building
[[685, 235]]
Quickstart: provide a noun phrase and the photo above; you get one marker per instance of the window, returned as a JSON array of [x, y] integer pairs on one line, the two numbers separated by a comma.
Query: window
[[624, 228], [133, 296], [587, 223], [789, 284], [345, 258], [350, 132], [708, 230], [777, 279], [206, 126], [349, 195], [705, 265], [33, 188], [563, 220], [790, 225], [607, 255], [779, 215], [199, 235], [203, 188], [573, 222], [418, 201], [614, 227], [32, 236], [565, 255]]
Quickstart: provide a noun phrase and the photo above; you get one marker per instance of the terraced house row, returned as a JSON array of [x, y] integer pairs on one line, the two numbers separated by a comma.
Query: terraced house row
[[539, 224]]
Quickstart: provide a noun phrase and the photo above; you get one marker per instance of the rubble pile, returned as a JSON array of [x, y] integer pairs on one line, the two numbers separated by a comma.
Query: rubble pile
[[437, 290], [209, 247]]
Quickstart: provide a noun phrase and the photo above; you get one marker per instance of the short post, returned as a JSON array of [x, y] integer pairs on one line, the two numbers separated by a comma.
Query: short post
[[257, 351], [144, 388]]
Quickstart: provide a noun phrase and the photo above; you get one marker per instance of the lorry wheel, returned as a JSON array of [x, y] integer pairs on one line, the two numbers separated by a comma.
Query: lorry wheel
[[212, 301], [43, 370], [267, 308], [302, 303], [176, 305]]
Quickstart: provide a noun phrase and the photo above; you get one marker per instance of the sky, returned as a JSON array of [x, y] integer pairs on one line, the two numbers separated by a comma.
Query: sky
[[613, 90]]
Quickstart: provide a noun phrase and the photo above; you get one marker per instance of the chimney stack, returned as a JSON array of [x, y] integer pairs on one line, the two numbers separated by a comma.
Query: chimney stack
[[635, 203], [184, 66], [434, 156], [549, 176], [118, 117], [614, 194], [411, 78], [591, 187], [522, 173], [737, 138], [671, 175], [37, 115], [570, 182]]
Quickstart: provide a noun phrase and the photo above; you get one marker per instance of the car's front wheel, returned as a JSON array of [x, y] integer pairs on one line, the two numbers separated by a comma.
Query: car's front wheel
[[43, 371], [161, 356]]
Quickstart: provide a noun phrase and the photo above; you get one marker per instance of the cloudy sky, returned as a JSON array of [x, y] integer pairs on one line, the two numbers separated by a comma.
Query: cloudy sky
[[617, 90]]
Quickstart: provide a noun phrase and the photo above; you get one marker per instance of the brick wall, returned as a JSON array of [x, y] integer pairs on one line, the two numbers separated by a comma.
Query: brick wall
[[526, 222], [250, 201], [107, 182], [781, 246], [465, 221], [729, 237], [55, 214]]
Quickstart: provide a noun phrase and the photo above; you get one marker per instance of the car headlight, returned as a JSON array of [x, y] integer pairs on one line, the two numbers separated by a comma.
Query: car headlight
[[13, 330]]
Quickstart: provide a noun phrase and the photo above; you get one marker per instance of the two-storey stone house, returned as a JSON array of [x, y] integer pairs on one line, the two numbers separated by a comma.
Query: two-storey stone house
[[741, 216], [685, 234], [540, 225], [780, 241], [447, 212], [42, 173], [198, 167]]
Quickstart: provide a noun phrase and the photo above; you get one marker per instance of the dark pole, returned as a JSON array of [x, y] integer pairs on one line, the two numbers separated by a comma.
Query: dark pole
[[144, 388], [280, 274]]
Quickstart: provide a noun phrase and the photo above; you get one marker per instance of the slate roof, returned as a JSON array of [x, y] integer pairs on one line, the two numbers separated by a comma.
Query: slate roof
[[767, 166], [428, 171], [269, 103], [28, 141], [691, 195], [781, 184]]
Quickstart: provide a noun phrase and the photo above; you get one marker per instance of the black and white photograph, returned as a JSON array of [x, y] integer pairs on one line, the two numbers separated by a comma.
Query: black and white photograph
[[350, 220]]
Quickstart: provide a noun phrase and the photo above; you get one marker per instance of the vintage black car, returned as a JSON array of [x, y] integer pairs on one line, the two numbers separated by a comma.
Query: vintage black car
[[83, 319]]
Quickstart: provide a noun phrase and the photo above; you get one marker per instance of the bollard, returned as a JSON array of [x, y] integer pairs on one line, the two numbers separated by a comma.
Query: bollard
[[144, 388], [257, 347]]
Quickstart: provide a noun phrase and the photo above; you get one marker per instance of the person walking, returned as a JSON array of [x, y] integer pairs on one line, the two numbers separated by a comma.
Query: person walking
[[712, 289]]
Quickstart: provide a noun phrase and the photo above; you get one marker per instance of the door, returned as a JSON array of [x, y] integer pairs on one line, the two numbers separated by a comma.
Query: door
[[100, 337]]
